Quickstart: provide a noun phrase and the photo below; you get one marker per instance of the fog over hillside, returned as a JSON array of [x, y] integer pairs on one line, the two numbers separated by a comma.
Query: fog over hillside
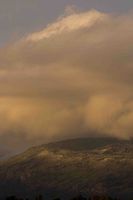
[[71, 79]]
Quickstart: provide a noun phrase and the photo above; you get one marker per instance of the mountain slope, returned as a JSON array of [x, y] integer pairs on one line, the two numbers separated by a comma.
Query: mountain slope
[[69, 167]]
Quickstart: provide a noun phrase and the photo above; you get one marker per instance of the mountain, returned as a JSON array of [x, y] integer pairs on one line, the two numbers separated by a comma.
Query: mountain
[[67, 168], [4, 154]]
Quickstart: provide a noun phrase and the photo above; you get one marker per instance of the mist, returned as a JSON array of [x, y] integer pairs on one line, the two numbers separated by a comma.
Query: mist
[[72, 79]]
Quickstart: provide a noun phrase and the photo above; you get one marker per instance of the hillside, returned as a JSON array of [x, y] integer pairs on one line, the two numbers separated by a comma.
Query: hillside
[[69, 167]]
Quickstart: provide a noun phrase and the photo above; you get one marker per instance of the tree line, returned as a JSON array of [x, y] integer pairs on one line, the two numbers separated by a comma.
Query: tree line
[[79, 197]]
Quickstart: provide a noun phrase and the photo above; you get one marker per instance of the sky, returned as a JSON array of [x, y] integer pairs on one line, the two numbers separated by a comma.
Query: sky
[[19, 17], [66, 71]]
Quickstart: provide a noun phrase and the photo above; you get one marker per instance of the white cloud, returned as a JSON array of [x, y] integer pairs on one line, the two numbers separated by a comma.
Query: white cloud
[[73, 22]]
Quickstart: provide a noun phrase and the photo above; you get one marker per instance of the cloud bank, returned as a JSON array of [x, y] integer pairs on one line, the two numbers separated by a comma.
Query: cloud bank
[[72, 79]]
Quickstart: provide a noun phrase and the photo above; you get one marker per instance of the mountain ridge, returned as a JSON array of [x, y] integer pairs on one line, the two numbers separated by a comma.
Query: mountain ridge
[[65, 168]]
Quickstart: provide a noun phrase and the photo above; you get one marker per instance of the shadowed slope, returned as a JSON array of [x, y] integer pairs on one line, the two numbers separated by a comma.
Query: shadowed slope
[[69, 167]]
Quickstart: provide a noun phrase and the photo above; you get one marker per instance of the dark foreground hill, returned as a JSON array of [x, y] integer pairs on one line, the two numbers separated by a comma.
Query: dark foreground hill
[[65, 169]]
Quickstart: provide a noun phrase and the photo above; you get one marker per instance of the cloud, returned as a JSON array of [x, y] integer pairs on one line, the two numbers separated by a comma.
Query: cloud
[[73, 78], [73, 22]]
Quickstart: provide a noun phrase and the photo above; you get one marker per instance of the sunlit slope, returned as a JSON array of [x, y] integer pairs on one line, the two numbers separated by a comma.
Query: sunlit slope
[[69, 167]]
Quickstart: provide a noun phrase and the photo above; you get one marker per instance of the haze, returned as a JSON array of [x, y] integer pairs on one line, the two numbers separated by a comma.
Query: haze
[[72, 78]]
